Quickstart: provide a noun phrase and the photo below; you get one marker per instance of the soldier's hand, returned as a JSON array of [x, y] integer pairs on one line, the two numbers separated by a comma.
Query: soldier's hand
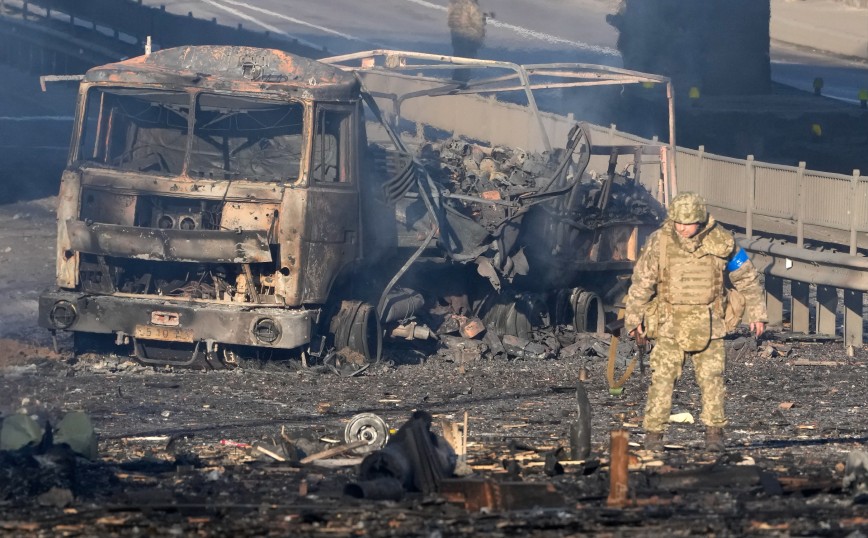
[[639, 334], [757, 327]]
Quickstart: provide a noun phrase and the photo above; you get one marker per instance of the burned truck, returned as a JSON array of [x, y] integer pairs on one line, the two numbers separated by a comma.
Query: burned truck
[[225, 200]]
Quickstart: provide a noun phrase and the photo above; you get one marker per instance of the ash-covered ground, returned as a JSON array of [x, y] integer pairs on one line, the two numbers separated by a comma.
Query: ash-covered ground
[[797, 409]]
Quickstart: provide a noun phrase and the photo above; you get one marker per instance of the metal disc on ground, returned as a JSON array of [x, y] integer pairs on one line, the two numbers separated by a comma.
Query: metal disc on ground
[[367, 427]]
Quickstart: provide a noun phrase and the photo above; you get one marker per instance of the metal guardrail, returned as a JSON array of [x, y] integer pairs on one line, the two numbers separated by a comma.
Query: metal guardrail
[[781, 200], [776, 200], [770, 198]]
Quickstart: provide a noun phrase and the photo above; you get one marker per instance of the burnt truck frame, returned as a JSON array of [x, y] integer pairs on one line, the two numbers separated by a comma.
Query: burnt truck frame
[[215, 199]]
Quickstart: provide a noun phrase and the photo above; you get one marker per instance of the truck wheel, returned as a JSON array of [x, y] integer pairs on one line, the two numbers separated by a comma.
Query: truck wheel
[[357, 327], [588, 313], [580, 308]]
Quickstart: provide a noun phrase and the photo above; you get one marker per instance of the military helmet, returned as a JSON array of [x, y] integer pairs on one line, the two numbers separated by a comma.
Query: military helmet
[[688, 208]]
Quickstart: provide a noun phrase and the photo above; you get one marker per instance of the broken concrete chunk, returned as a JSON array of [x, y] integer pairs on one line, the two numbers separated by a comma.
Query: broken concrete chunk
[[856, 472], [57, 497], [524, 349], [681, 418], [461, 349]]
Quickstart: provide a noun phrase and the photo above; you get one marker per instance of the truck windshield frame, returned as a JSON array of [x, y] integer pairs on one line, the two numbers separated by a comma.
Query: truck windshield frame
[[235, 137]]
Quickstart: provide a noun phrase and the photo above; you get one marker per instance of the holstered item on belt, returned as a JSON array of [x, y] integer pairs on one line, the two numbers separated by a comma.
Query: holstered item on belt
[[692, 330]]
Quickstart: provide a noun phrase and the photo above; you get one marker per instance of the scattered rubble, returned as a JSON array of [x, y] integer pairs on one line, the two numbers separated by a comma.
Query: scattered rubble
[[284, 464]]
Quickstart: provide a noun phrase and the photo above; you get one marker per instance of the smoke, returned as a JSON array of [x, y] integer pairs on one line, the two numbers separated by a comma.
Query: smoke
[[720, 47]]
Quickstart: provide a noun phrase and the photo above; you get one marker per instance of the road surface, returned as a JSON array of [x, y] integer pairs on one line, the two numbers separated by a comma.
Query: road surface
[[538, 32]]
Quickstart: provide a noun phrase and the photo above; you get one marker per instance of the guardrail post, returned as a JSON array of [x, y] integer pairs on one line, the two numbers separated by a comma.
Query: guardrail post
[[800, 217], [854, 210], [775, 300], [826, 308], [751, 191], [799, 312], [853, 318], [702, 189]]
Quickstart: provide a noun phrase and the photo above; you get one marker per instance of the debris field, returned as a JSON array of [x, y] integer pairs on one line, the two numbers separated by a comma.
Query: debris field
[[220, 452]]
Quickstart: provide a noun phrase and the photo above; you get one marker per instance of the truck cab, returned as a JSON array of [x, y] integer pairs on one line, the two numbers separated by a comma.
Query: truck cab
[[211, 199]]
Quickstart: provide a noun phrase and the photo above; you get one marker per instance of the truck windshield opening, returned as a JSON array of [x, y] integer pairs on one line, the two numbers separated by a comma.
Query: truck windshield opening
[[146, 131]]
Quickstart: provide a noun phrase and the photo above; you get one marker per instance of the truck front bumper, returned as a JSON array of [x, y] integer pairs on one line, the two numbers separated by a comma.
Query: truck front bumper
[[177, 320]]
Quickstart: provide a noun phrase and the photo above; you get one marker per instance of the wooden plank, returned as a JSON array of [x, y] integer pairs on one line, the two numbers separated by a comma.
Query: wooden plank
[[633, 245], [618, 469]]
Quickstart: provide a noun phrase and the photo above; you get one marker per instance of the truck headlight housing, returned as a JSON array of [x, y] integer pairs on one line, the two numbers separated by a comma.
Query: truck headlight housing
[[267, 331], [62, 315]]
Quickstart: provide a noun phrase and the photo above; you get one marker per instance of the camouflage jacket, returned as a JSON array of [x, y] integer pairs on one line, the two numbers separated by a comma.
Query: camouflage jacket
[[466, 19], [697, 323]]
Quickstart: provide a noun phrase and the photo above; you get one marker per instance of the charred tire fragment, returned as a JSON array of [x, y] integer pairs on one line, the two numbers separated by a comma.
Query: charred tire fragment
[[356, 326], [588, 313], [580, 308], [518, 317]]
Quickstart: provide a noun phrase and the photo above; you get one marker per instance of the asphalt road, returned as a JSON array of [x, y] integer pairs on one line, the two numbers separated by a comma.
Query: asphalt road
[[545, 30], [797, 67], [522, 32]]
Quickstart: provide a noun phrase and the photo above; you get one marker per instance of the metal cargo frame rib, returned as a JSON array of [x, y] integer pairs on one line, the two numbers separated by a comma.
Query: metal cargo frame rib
[[510, 117]]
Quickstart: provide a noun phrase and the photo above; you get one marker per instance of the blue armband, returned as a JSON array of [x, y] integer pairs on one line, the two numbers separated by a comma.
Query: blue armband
[[737, 261]]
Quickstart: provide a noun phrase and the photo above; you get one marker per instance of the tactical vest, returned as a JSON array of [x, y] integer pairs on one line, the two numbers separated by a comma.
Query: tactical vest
[[688, 278]]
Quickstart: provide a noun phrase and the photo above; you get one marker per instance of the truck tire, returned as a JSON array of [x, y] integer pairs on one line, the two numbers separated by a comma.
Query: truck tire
[[356, 326]]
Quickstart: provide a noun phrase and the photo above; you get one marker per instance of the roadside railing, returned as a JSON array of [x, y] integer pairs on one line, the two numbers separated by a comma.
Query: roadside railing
[[798, 206]]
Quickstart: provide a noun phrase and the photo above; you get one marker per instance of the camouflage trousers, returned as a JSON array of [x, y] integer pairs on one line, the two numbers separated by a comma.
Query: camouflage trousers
[[667, 359]]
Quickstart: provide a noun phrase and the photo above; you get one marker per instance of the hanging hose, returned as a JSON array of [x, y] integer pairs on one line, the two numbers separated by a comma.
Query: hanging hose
[[382, 302]]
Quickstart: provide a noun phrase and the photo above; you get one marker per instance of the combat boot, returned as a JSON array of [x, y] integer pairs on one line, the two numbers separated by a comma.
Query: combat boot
[[654, 441], [714, 439]]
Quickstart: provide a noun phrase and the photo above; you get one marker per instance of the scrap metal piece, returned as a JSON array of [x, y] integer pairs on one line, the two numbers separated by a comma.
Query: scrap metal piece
[[580, 431], [169, 245], [367, 427]]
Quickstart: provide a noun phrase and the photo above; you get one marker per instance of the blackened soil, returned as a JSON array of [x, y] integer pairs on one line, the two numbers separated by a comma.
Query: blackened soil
[[162, 467], [797, 409]]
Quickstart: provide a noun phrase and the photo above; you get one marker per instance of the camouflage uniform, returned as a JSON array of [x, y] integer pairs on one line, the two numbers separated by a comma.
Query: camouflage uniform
[[467, 25], [687, 280]]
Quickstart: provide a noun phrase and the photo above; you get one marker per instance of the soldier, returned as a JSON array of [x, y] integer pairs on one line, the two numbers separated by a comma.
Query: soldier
[[467, 25], [680, 272]]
